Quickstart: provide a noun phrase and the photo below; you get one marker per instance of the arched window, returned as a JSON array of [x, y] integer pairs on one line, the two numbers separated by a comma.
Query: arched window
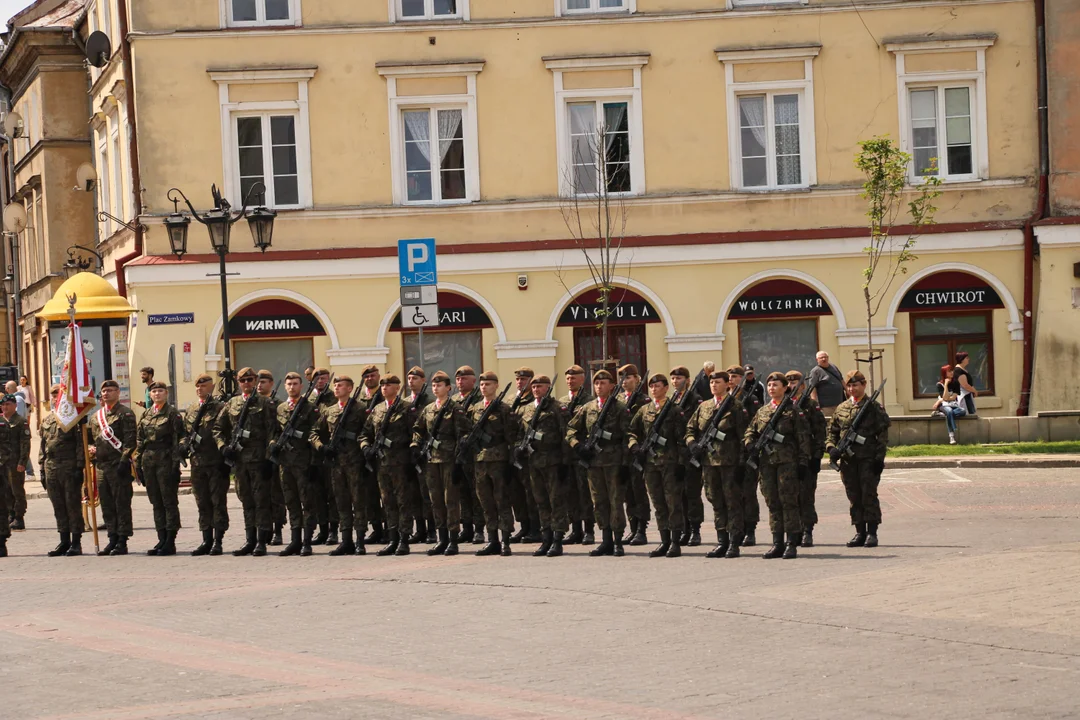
[[778, 325], [629, 314], [275, 335]]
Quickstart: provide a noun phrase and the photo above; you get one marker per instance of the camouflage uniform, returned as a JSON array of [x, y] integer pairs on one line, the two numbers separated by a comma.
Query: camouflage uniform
[[545, 463], [606, 468], [252, 483], [418, 487], [303, 496], [472, 513], [778, 466], [659, 468], [490, 465], [748, 478], [322, 473], [719, 466], [861, 472], [637, 496], [818, 433], [521, 495], [690, 476], [370, 479], [61, 462], [209, 473], [157, 447], [346, 467], [439, 471], [114, 468], [578, 498], [398, 498], [15, 445]]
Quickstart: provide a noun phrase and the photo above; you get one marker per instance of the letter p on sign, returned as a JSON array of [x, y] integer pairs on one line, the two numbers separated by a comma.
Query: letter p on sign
[[416, 262]]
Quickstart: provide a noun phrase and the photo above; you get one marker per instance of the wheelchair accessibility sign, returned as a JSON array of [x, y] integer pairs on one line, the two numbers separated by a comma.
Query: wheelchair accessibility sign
[[420, 316]]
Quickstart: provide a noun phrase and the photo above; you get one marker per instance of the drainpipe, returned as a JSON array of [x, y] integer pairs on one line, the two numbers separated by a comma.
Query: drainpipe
[[1024, 407], [133, 147]]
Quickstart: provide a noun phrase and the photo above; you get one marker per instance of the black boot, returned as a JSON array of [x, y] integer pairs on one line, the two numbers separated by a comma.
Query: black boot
[[444, 542], [675, 550], [777, 549], [248, 546], [535, 534], [307, 540], [860, 536], [575, 536], [160, 543], [606, 546], [121, 546], [392, 544], [695, 535], [260, 547], [478, 536], [791, 550], [3, 547], [169, 548], [332, 537], [277, 539], [421, 532], [293, 548], [466, 534], [808, 537], [492, 547], [452, 546], [750, 539], [631, 532], [871, 535], [640, 538], [684, 536], [723, 542], [62, 548], [361, 549], [432, 534], [403, 545], [665, 545], [207, 543], [520, 535], [618, 550], [76, 545], [219, 535], [107, 550], [376, 535], [556, 545], [546, 538], [733, 549], [320, 539], [505, 549], [346, 546], [18, 524], [588, 538]]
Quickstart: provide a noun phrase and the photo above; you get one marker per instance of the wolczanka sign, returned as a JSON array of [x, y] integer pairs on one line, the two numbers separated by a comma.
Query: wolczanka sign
[[779, 305]]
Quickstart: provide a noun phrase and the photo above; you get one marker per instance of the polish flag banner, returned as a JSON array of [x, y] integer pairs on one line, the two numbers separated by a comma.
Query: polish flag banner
[[76, 397]]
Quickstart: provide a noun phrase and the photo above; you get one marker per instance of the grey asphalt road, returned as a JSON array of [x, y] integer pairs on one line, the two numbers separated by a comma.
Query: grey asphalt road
[[968, 609]]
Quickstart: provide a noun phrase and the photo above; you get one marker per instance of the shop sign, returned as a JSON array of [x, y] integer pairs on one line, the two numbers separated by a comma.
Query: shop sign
[[779, 298], [279, 325], [625, 307], [451, 318], [950, 291], [171, 319]]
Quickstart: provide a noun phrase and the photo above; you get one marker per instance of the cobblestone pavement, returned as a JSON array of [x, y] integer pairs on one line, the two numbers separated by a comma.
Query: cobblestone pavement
[[968, 609]]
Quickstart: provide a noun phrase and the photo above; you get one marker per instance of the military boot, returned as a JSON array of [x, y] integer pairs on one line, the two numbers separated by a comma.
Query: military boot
[[860, 536], [361, 549], [535, 534], [160, 543], [107, 550], [332, 536], [575, 535], [62, 548], [733, 549], [219, 535], [444, 542], [465, 535], [403, 545], [695, 535], [546, 539], [260, 547], [640, 538], [556, 545], [522, 533], [478, 537], [305, 546], [750, 539], [606, 546], [169, 548], [248, 546], [18, 523], [452, 545], [674, 550], [791, 550], [665, 545], [808, 537], [723, 542], [392, 544], [3, 547], [207, 543], [277, 539], [777, 549], [684, 536], [871, 535], [293, 548], [492, 548], [320, 539], [347, 546], [631, 531], [121, 546], [588, 538], [617, 551], [505, 549], [76, 545], [432, 534], [376, 535], [421, 532]]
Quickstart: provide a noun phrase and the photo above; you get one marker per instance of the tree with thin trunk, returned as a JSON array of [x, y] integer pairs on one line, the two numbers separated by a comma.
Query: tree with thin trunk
[[889, 198]]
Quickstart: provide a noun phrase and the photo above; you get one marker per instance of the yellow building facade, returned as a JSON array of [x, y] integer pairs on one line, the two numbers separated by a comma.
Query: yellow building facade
[[731, 134]]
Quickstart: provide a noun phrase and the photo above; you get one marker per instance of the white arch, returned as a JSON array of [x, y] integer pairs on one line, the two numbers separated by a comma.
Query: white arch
[[626, 282], [388, 318], [738, 290], [994, 282], [274, 294]]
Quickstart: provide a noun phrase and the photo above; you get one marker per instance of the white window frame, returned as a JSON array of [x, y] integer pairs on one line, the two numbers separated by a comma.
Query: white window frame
[[630, 95], [232, 110], [770, 140], [974, 79], [268, 157], [470, 130], [294, 20], [942, 131], [104, 174], [803, 88], [562, 9], [396, 14]]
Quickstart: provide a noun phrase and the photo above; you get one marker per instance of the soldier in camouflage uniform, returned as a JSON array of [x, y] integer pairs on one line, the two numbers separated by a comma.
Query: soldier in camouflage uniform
[[861, 470], [370, 396], [248, 462], [472, 514], [521, 496], [689, 476], [419, 397], [659, 462], [491, 453], [293, 458], [544, 418], [747, 478], [442, 422], [265, 387], [209, 473], [637, 498], [112, 431], [604, 460], [157, 453], [808, 482], [578, 498], [12, 427], [61, 463], [386, 438], [779, 467], [322, 474], [346, 463], [720, 460]]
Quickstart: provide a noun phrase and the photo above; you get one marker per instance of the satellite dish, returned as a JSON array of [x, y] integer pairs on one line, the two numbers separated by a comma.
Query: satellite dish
[[13, 124], [98, 49], [14, 218], [86, 177]]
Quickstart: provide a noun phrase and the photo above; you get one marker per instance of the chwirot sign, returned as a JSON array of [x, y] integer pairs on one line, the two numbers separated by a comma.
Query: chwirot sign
[[951, 291], [274, 318], [625, 307], [779, 298]]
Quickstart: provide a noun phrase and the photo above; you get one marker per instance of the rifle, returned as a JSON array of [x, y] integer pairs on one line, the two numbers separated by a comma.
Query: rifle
[[598, 432], [289, 431], [478, 434], [421, 393], [193, 437], [468, 400], [239, 432], [769, 434], [800, 404], [712, 432], [378, 449], [638, 392], [336, 437], [852, 436], [432, 442], [273, 393], [573, 406], [690, 388], [521, 399], [524, 447], [654, 438]]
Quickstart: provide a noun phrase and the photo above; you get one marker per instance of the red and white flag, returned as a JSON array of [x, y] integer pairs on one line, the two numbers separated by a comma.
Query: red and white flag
[[76, 397]]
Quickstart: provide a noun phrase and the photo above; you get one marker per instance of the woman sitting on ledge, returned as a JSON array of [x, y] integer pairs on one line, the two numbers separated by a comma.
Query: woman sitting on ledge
[[948, 402]]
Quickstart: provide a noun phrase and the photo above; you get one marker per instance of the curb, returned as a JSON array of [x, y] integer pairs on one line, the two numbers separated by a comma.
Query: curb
[[1017, 461]]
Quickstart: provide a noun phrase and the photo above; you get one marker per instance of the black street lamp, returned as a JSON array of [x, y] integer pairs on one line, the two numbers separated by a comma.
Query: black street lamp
[[219, 222], [76, 263]]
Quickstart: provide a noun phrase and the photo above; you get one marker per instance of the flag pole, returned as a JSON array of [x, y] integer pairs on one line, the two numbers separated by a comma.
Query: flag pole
[[89, 475]]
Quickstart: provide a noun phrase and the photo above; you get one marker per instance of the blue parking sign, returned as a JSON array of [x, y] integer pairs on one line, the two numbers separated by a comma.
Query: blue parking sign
[[416, 262]]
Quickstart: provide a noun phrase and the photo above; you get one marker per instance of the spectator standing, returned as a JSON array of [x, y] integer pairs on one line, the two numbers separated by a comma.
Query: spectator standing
[[701, 388], [829, 389], [147, 377], [947, 403], [754, 386], [22, 409], [963, 384], [27, 391]]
